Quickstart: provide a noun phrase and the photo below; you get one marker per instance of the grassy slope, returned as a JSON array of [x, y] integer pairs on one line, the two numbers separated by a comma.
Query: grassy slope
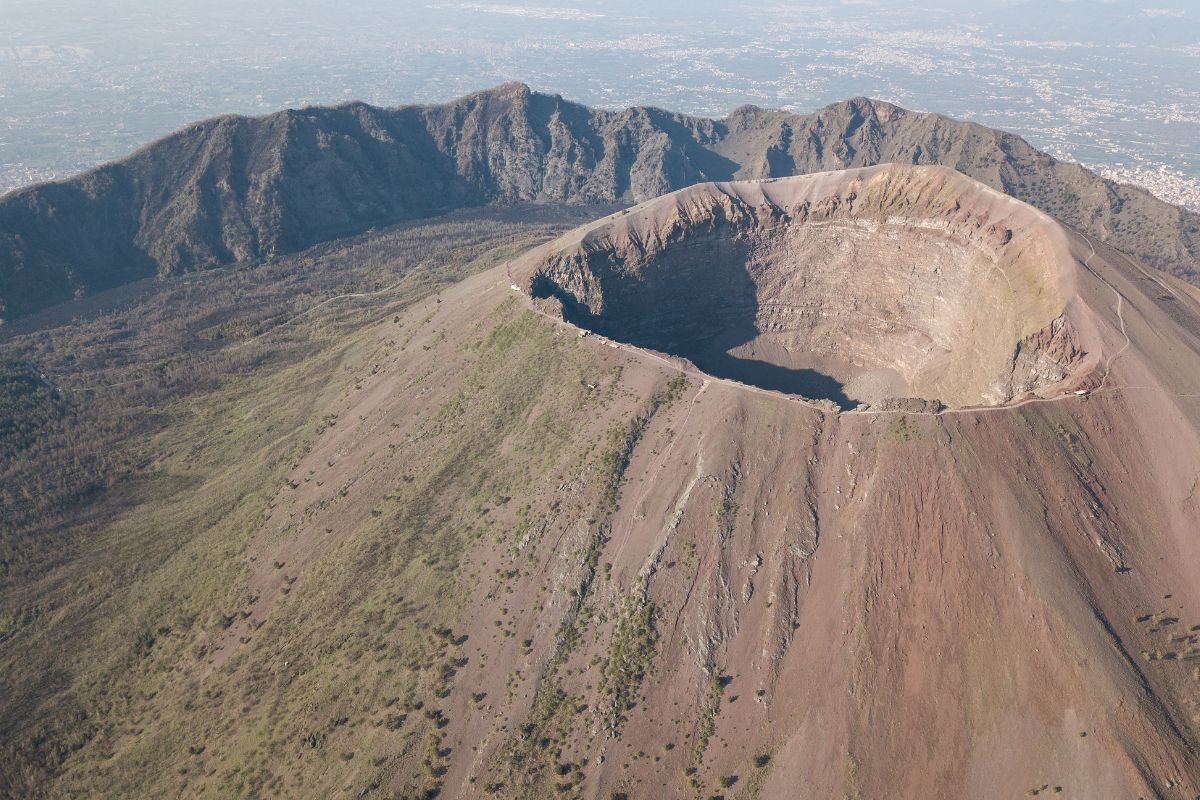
[[107, 620]]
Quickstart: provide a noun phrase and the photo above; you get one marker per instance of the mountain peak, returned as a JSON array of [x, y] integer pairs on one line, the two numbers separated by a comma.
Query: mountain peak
[[507, 90], [864, 106]]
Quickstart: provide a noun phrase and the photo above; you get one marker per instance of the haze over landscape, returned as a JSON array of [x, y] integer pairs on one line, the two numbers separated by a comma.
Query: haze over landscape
[[594, 401], [1110, 84]]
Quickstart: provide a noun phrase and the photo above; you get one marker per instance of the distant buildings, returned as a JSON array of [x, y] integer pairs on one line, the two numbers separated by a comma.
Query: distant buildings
[[1163, 182]]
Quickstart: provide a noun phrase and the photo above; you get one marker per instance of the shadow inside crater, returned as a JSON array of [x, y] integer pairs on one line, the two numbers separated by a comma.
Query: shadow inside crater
[[807, 383], [700, 303]]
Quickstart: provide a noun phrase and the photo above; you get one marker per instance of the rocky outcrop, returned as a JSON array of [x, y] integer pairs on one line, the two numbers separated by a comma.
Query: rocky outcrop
[[1044, 358], [241, 189], [907, 405]]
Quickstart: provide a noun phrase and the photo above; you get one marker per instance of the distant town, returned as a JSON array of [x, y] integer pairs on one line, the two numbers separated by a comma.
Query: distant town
[[1163, 182]]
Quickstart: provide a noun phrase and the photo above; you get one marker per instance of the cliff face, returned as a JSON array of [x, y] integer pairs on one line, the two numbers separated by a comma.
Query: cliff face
[[243, 189]]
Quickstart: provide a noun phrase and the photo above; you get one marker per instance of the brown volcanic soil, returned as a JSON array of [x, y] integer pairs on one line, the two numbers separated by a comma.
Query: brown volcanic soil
[[509, 561], [989, 603], [857, 286]]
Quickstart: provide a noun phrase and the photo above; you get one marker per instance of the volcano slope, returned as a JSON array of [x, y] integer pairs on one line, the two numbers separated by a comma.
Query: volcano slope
[[482, 555]]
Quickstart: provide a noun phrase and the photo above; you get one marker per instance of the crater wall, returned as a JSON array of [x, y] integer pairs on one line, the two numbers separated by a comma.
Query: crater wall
[[859, 286]]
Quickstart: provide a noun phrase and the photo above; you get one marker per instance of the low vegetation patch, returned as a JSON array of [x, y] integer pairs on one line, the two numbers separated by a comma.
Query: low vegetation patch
[[630, 656]]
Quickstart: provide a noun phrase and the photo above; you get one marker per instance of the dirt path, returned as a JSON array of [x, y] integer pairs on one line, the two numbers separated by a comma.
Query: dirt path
[[1087, 264]]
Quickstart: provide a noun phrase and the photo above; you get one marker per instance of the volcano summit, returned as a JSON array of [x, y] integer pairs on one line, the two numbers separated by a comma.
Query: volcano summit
[[867, 286]]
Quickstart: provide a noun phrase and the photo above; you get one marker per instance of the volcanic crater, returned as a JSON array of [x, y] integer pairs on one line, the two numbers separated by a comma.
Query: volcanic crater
[[887, 287]]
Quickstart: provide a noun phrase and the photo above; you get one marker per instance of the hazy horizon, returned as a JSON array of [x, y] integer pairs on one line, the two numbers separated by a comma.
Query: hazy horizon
[[1110, 84]]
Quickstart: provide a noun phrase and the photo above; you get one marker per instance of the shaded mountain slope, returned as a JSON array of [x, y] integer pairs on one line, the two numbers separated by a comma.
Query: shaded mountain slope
[[237, 189]]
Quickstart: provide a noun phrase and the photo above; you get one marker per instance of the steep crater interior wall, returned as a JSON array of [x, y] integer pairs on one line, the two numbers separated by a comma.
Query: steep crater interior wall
[[851, 310]]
